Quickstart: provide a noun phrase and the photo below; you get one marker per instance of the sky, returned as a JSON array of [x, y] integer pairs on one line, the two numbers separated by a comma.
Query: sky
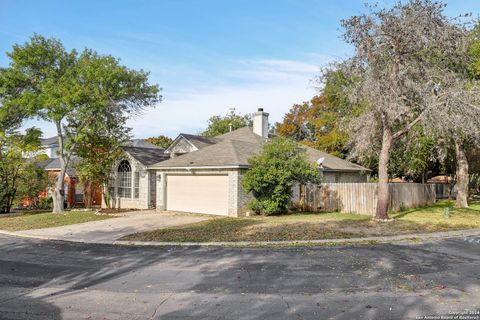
[[207, 55]]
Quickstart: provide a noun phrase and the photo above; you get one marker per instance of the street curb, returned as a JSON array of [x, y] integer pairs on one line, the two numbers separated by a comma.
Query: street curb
[[347, 241]]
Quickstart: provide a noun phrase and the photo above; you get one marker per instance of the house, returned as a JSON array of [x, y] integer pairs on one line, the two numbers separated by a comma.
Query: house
[[74, 193], [203, 175]]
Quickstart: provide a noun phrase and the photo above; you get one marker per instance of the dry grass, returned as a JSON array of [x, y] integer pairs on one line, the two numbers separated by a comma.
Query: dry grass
[[41, 220], [312, 226]]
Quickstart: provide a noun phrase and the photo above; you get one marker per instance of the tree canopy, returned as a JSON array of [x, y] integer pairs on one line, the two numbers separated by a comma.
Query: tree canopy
[[408, 69], [15, 169], [219, 124], [74, 91], [160, 141], [317, 124]]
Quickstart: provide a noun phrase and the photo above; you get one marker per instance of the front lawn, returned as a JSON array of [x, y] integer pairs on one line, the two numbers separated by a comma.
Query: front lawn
[[313, 226], [40, 220]]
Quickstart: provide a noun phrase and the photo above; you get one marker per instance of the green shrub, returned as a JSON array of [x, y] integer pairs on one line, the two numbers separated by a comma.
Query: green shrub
[[273, 172], [45, 203]]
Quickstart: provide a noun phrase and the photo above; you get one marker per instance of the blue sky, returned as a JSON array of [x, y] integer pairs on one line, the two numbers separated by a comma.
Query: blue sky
[[207, 55]]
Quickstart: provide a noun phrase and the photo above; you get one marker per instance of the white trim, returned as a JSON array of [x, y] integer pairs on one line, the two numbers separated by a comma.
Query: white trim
[[199, 167]]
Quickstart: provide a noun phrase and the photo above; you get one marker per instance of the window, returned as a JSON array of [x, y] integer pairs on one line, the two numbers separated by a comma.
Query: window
[[136, 185], [124, 179]]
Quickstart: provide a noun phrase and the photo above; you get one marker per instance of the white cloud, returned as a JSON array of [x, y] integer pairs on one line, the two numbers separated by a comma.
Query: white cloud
[[274, 85]]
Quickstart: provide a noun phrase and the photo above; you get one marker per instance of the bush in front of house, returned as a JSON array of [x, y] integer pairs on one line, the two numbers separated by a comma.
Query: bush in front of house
[[45, 203], [272, 173]]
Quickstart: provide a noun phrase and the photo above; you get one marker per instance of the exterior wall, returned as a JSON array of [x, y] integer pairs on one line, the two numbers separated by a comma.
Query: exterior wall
[[344, 177], [235, 197], [144, 193], [243, 197], [50, 151]]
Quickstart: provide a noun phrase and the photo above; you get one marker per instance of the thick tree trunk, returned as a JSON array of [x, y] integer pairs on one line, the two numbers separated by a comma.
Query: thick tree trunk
[[88, 194], [462, 175], [383, 193], [59, 189], [107, 197]]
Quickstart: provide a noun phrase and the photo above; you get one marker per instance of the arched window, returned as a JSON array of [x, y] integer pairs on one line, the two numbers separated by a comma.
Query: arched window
[[124, 179]]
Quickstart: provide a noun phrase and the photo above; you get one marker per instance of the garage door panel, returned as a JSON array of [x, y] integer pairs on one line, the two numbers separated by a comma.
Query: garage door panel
[[196, 193]]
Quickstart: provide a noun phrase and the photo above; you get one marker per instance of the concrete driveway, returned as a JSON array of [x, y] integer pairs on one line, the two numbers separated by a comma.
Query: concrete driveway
[[109, 230]]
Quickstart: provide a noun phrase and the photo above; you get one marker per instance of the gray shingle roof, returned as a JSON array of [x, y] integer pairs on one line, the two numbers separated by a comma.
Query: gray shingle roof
[[332, 163], [49, 141], [236, 147], [142, 143], [54, 165], [43, 164], [147, 156]]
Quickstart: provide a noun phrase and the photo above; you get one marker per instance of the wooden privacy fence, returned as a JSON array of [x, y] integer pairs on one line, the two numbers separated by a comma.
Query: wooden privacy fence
[[359, 197]]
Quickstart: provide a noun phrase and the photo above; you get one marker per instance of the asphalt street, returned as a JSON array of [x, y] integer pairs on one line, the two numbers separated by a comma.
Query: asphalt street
[[60, 280]]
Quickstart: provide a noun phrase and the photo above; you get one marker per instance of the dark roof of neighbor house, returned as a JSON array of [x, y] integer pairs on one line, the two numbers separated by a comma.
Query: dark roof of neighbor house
[[49, 141], [147, 156], [53, 164], [142, 143], [236, 147], [42, 164]]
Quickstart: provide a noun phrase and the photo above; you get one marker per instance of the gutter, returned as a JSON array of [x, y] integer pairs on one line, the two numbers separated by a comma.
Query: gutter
[[199, 167]]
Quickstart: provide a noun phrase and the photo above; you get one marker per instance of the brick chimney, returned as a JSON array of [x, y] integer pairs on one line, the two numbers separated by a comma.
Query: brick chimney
[[260, 123]]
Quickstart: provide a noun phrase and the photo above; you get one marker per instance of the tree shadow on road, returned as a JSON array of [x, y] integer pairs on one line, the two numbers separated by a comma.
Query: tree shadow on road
[[389, 281]]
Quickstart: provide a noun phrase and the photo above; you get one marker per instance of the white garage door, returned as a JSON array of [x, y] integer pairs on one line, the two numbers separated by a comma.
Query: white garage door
[[200, 194]]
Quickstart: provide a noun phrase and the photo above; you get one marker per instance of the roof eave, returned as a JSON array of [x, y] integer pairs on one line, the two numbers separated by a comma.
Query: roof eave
[[346, 170], [241, 166]]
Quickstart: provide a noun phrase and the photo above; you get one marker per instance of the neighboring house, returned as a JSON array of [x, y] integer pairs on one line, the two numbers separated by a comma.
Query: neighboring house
[[203, 175], [74, 193]]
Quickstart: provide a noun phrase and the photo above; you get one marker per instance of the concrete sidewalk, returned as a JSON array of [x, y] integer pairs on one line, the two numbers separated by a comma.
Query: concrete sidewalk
[[110, 230]]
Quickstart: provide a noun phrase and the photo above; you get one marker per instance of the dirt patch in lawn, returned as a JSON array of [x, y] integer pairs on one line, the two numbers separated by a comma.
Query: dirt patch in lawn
[[316, 226]]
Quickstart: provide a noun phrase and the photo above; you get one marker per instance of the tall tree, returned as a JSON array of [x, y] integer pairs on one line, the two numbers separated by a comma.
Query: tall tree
[[160, 141], [73, 91], [393, 71], [317, 124], [219, 124]]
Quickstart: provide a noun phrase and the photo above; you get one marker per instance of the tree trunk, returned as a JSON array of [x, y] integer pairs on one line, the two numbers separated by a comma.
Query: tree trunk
[[462, 175], [59, 189], [107, 197], [383, 193], [88, 193]]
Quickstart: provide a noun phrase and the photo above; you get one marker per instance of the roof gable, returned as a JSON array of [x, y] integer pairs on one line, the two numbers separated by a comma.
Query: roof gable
[[146, 156], [185, 143]]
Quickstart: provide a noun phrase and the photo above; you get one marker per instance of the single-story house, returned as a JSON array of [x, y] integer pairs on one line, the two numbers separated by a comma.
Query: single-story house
[[203, 174]]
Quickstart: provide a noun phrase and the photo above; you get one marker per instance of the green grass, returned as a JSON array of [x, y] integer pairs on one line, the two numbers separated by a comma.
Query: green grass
[[313, 226], [41, 220]]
